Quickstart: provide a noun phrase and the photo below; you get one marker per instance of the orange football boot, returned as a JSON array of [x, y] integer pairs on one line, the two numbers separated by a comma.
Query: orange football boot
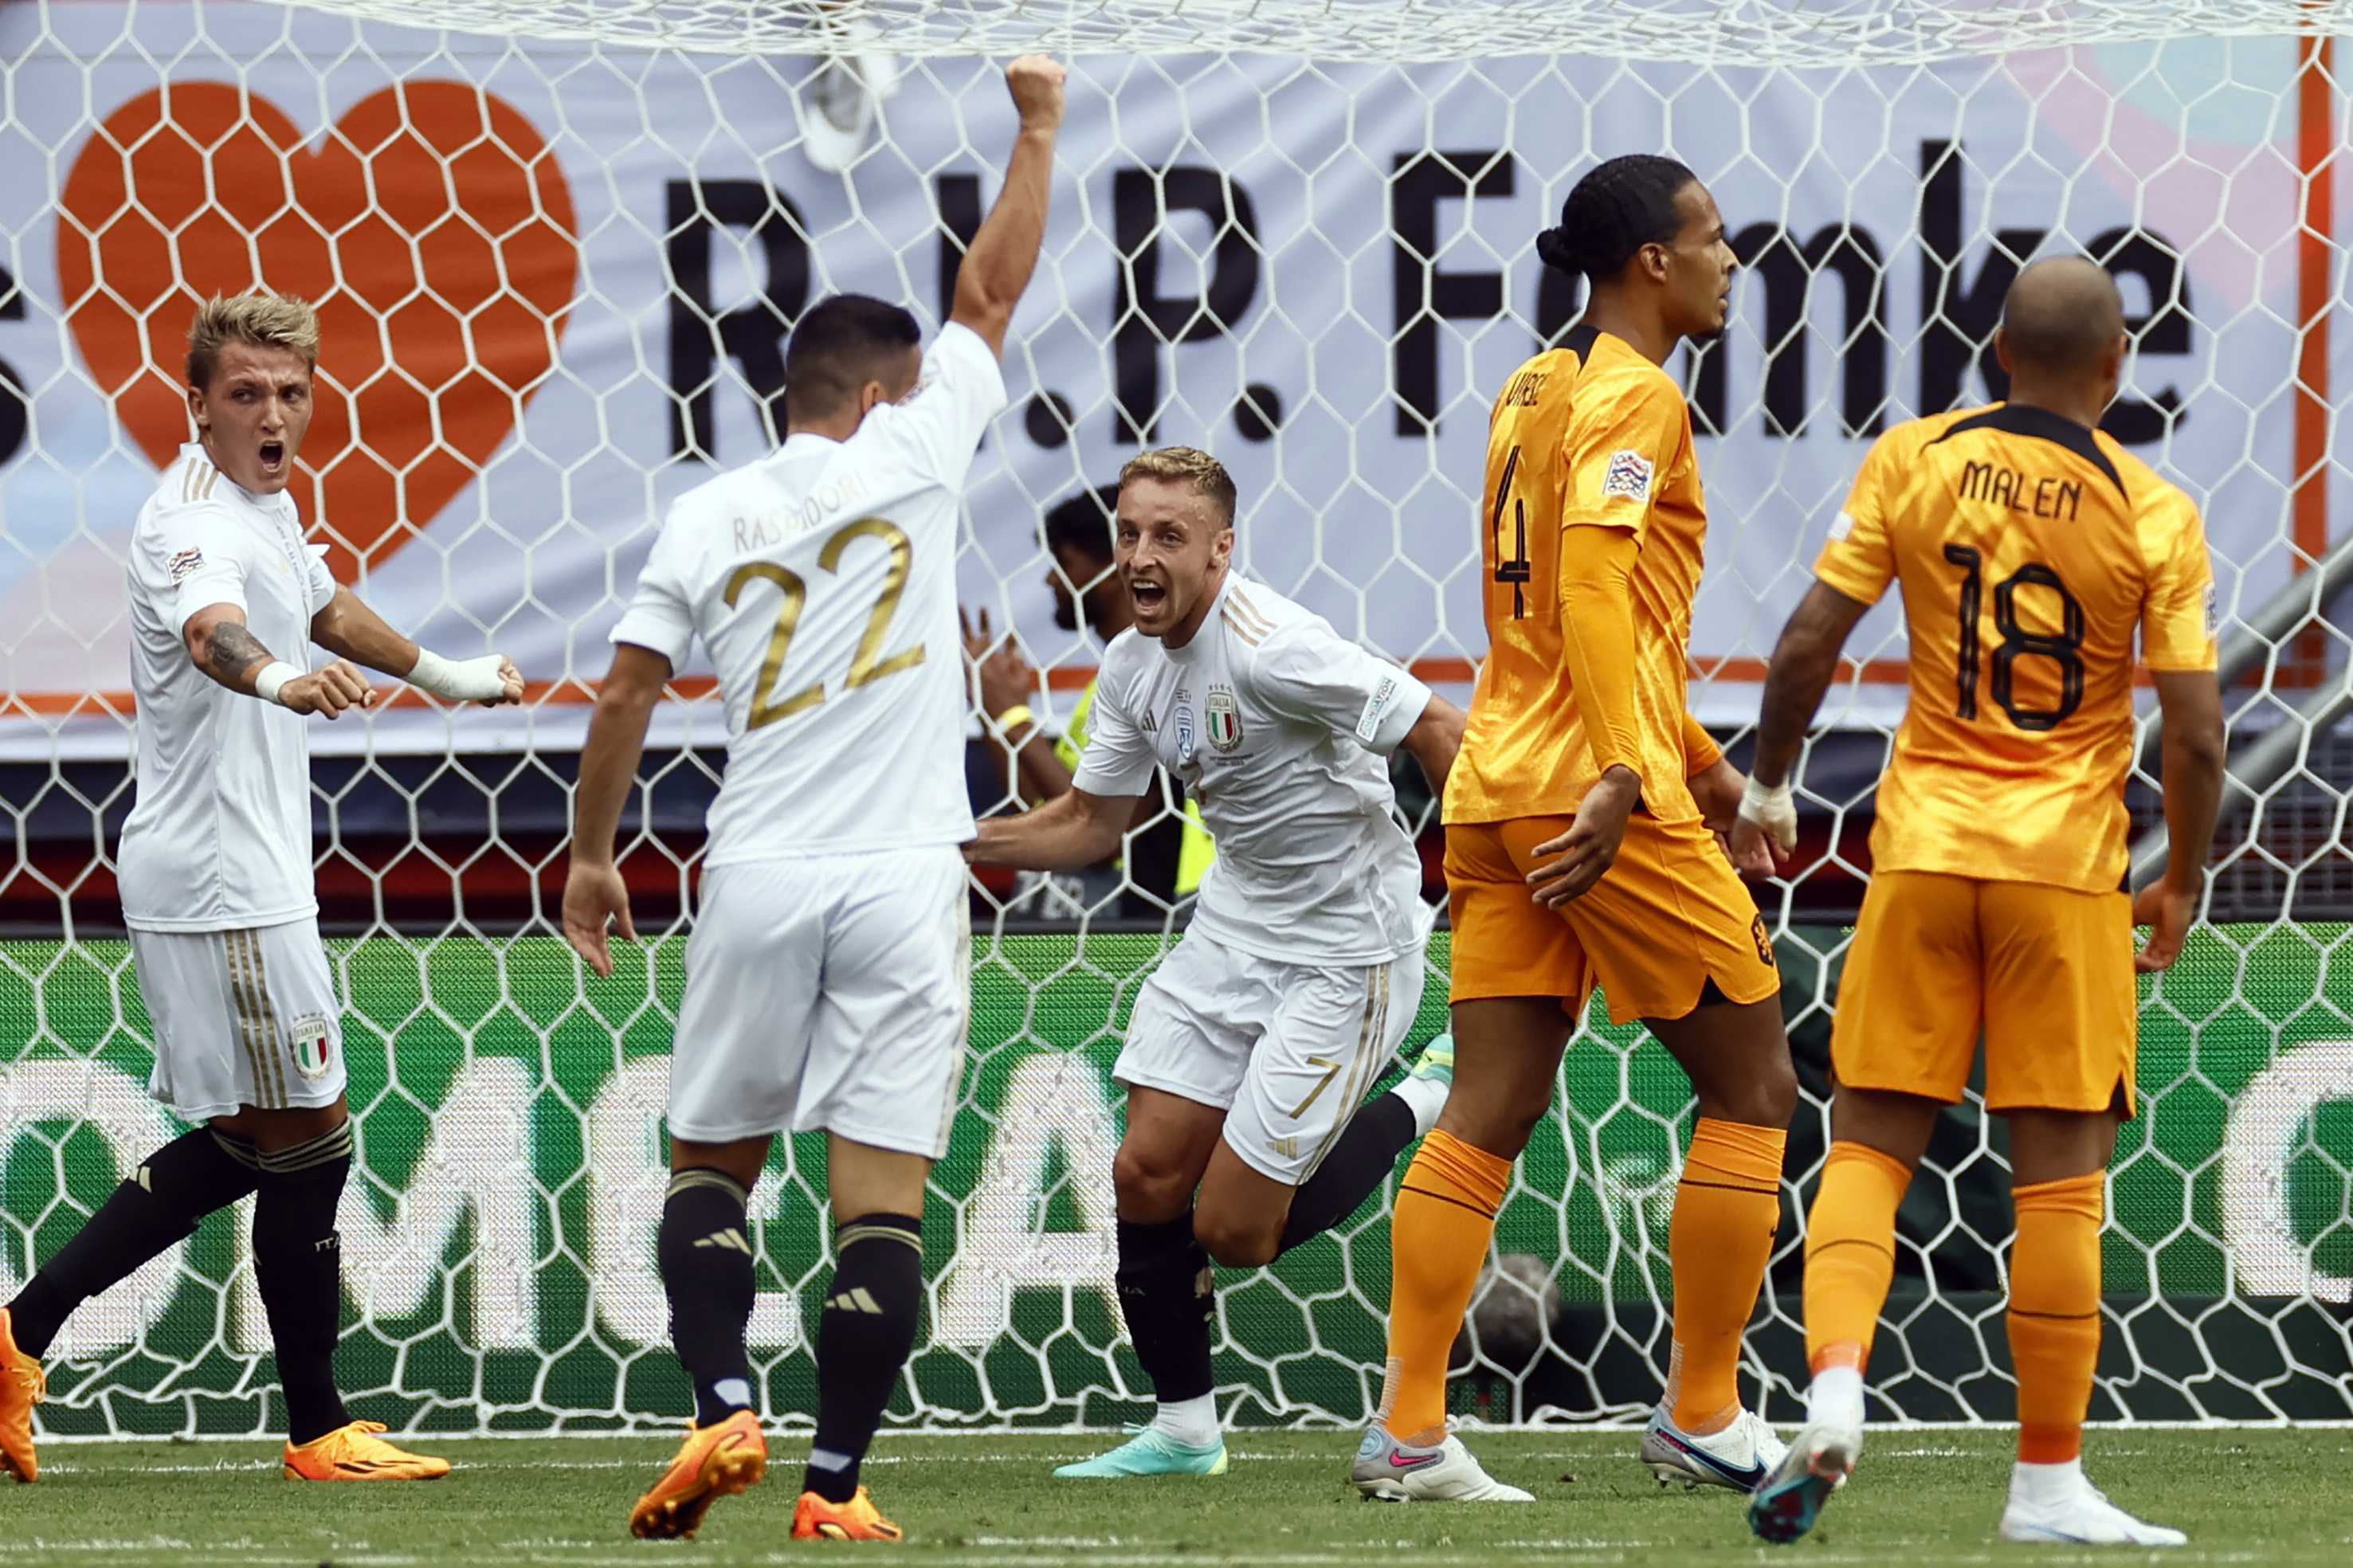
[[856, 1520], [713, 1463], [22, 1386], [352, 1452]]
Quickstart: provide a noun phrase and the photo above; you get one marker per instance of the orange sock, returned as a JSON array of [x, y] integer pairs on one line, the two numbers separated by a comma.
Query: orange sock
[[1445, 1218], [1726, 1212], [1850, 1252], [2055, 1314]]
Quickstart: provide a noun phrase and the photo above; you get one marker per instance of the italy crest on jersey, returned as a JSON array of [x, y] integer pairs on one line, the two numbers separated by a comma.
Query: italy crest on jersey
[[1225, 719]]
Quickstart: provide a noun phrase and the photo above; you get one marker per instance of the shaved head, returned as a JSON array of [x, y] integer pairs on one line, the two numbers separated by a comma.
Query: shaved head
[[2061, 317]]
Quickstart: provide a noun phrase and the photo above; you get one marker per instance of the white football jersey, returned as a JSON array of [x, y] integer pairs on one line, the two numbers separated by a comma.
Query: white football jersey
[[821, 580], [219, 835], [1278, 726]]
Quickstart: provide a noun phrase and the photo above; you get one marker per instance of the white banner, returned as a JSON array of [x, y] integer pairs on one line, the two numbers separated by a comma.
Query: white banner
[[556, 283]]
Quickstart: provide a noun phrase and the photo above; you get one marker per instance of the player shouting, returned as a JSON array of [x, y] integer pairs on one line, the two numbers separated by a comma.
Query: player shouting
[[1302, 971], [216, 888]]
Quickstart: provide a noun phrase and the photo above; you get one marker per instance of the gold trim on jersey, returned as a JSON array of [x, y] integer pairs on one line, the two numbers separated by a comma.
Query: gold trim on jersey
[[1249, 617]]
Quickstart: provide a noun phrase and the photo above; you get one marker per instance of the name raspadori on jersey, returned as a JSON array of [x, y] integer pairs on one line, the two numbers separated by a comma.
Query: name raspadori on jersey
[[769, 530]]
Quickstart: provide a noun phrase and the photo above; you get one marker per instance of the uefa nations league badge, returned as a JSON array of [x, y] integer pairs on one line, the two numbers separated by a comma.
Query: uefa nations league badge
[[1225, 718]]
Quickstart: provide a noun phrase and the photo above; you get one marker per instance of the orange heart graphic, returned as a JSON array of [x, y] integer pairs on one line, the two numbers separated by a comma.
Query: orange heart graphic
[[432, 228]]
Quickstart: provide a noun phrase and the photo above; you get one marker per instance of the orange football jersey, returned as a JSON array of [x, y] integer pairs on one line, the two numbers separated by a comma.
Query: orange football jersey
[[1591, 433], [2030, 551]]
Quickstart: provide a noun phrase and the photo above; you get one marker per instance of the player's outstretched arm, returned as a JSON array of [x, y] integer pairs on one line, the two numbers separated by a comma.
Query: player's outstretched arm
[[1804, 662], [2190, 704], [594, 896], [350, 629], [1074, 830], [219, 644], [1004, 252], [1433, 741]]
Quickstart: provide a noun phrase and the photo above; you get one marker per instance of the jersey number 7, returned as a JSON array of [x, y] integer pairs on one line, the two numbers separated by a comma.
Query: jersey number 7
[[2062, 647], [866, 664]]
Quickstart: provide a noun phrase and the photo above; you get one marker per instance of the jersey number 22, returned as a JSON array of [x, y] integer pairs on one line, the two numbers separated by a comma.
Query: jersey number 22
[[868, 663]]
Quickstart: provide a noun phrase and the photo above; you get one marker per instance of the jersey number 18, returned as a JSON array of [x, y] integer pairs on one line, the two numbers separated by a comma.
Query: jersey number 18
[[2064, 647]]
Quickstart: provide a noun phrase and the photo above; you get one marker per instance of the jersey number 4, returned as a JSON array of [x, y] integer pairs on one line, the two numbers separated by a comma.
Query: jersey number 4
[[1515, 569], [2064, 647], [868, 663]]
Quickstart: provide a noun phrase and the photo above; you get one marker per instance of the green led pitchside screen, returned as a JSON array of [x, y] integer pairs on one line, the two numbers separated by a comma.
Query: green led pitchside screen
[[498, 1237]]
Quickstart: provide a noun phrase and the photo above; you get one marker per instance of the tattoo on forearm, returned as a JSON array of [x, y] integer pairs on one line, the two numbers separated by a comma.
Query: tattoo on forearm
[[230, 649]]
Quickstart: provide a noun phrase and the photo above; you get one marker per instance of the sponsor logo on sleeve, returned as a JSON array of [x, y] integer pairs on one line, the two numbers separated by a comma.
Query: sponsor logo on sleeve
[[1628, 476], [2214, 611], [1369, 724], [185, 564], [1841, 527]]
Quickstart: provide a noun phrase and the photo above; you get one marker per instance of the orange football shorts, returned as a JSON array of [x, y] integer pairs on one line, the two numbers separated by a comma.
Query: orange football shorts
[[2044, 973], [1668, 917]]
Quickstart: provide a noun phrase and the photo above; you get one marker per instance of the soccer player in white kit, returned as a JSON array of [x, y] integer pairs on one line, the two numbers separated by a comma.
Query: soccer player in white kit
[[1251, 1046], [827, 979], [215, 882]]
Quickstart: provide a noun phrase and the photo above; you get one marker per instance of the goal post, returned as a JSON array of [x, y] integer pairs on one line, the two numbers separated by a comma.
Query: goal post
[[558, 247]]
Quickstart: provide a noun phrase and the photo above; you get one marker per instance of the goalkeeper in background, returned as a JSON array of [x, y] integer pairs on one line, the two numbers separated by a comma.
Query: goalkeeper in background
[[216, 877], [2030, 548]]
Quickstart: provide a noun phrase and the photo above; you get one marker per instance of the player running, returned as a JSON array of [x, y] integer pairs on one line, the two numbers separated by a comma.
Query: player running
[[216, 888], [1253, 1041], [827, 976], [1579, 848], [2029, 547]]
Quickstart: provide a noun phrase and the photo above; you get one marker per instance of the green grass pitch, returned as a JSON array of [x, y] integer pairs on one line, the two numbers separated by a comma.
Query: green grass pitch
[[1921, 1499]]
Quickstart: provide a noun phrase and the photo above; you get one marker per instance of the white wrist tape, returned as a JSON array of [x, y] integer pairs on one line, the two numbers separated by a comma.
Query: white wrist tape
[[460, 680], [272, 678], [1774, 809], [1759, 801]]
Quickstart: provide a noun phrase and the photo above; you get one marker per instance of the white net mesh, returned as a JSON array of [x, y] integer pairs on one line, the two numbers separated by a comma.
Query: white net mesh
[[556, 269], [1786, 32]]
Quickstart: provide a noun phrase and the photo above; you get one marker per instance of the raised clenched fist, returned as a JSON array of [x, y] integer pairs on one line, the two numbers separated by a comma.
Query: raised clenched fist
[[1035, 83]]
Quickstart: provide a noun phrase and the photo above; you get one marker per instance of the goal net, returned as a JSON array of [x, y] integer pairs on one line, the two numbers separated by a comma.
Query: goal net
[[557, 248]]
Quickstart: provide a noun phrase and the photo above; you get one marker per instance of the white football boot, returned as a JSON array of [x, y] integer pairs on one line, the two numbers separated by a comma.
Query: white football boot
[[2056, 1502], [1387, 1470], [1737, 1458]]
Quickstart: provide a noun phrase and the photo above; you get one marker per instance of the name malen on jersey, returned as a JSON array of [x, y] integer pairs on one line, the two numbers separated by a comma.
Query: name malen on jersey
[[770, 529], [2037, 495]]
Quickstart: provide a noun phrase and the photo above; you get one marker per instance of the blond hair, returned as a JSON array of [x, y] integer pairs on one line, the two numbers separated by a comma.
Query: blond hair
[[261, 320], [1185, 466]]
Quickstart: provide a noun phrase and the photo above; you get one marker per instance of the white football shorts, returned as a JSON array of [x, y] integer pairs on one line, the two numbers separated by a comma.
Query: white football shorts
[[1286, 1051], [242, 1018], [831, 992]]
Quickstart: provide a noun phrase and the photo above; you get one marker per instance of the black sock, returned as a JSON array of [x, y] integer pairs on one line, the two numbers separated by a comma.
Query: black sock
[[705, 1249], [1354, 1170], [1166, 1292], [154, 1209], [862, 1343], [298, 1265]]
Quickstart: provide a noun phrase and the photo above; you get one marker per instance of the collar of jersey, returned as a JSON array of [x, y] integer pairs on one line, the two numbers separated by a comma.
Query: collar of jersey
[[1216, 605]]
